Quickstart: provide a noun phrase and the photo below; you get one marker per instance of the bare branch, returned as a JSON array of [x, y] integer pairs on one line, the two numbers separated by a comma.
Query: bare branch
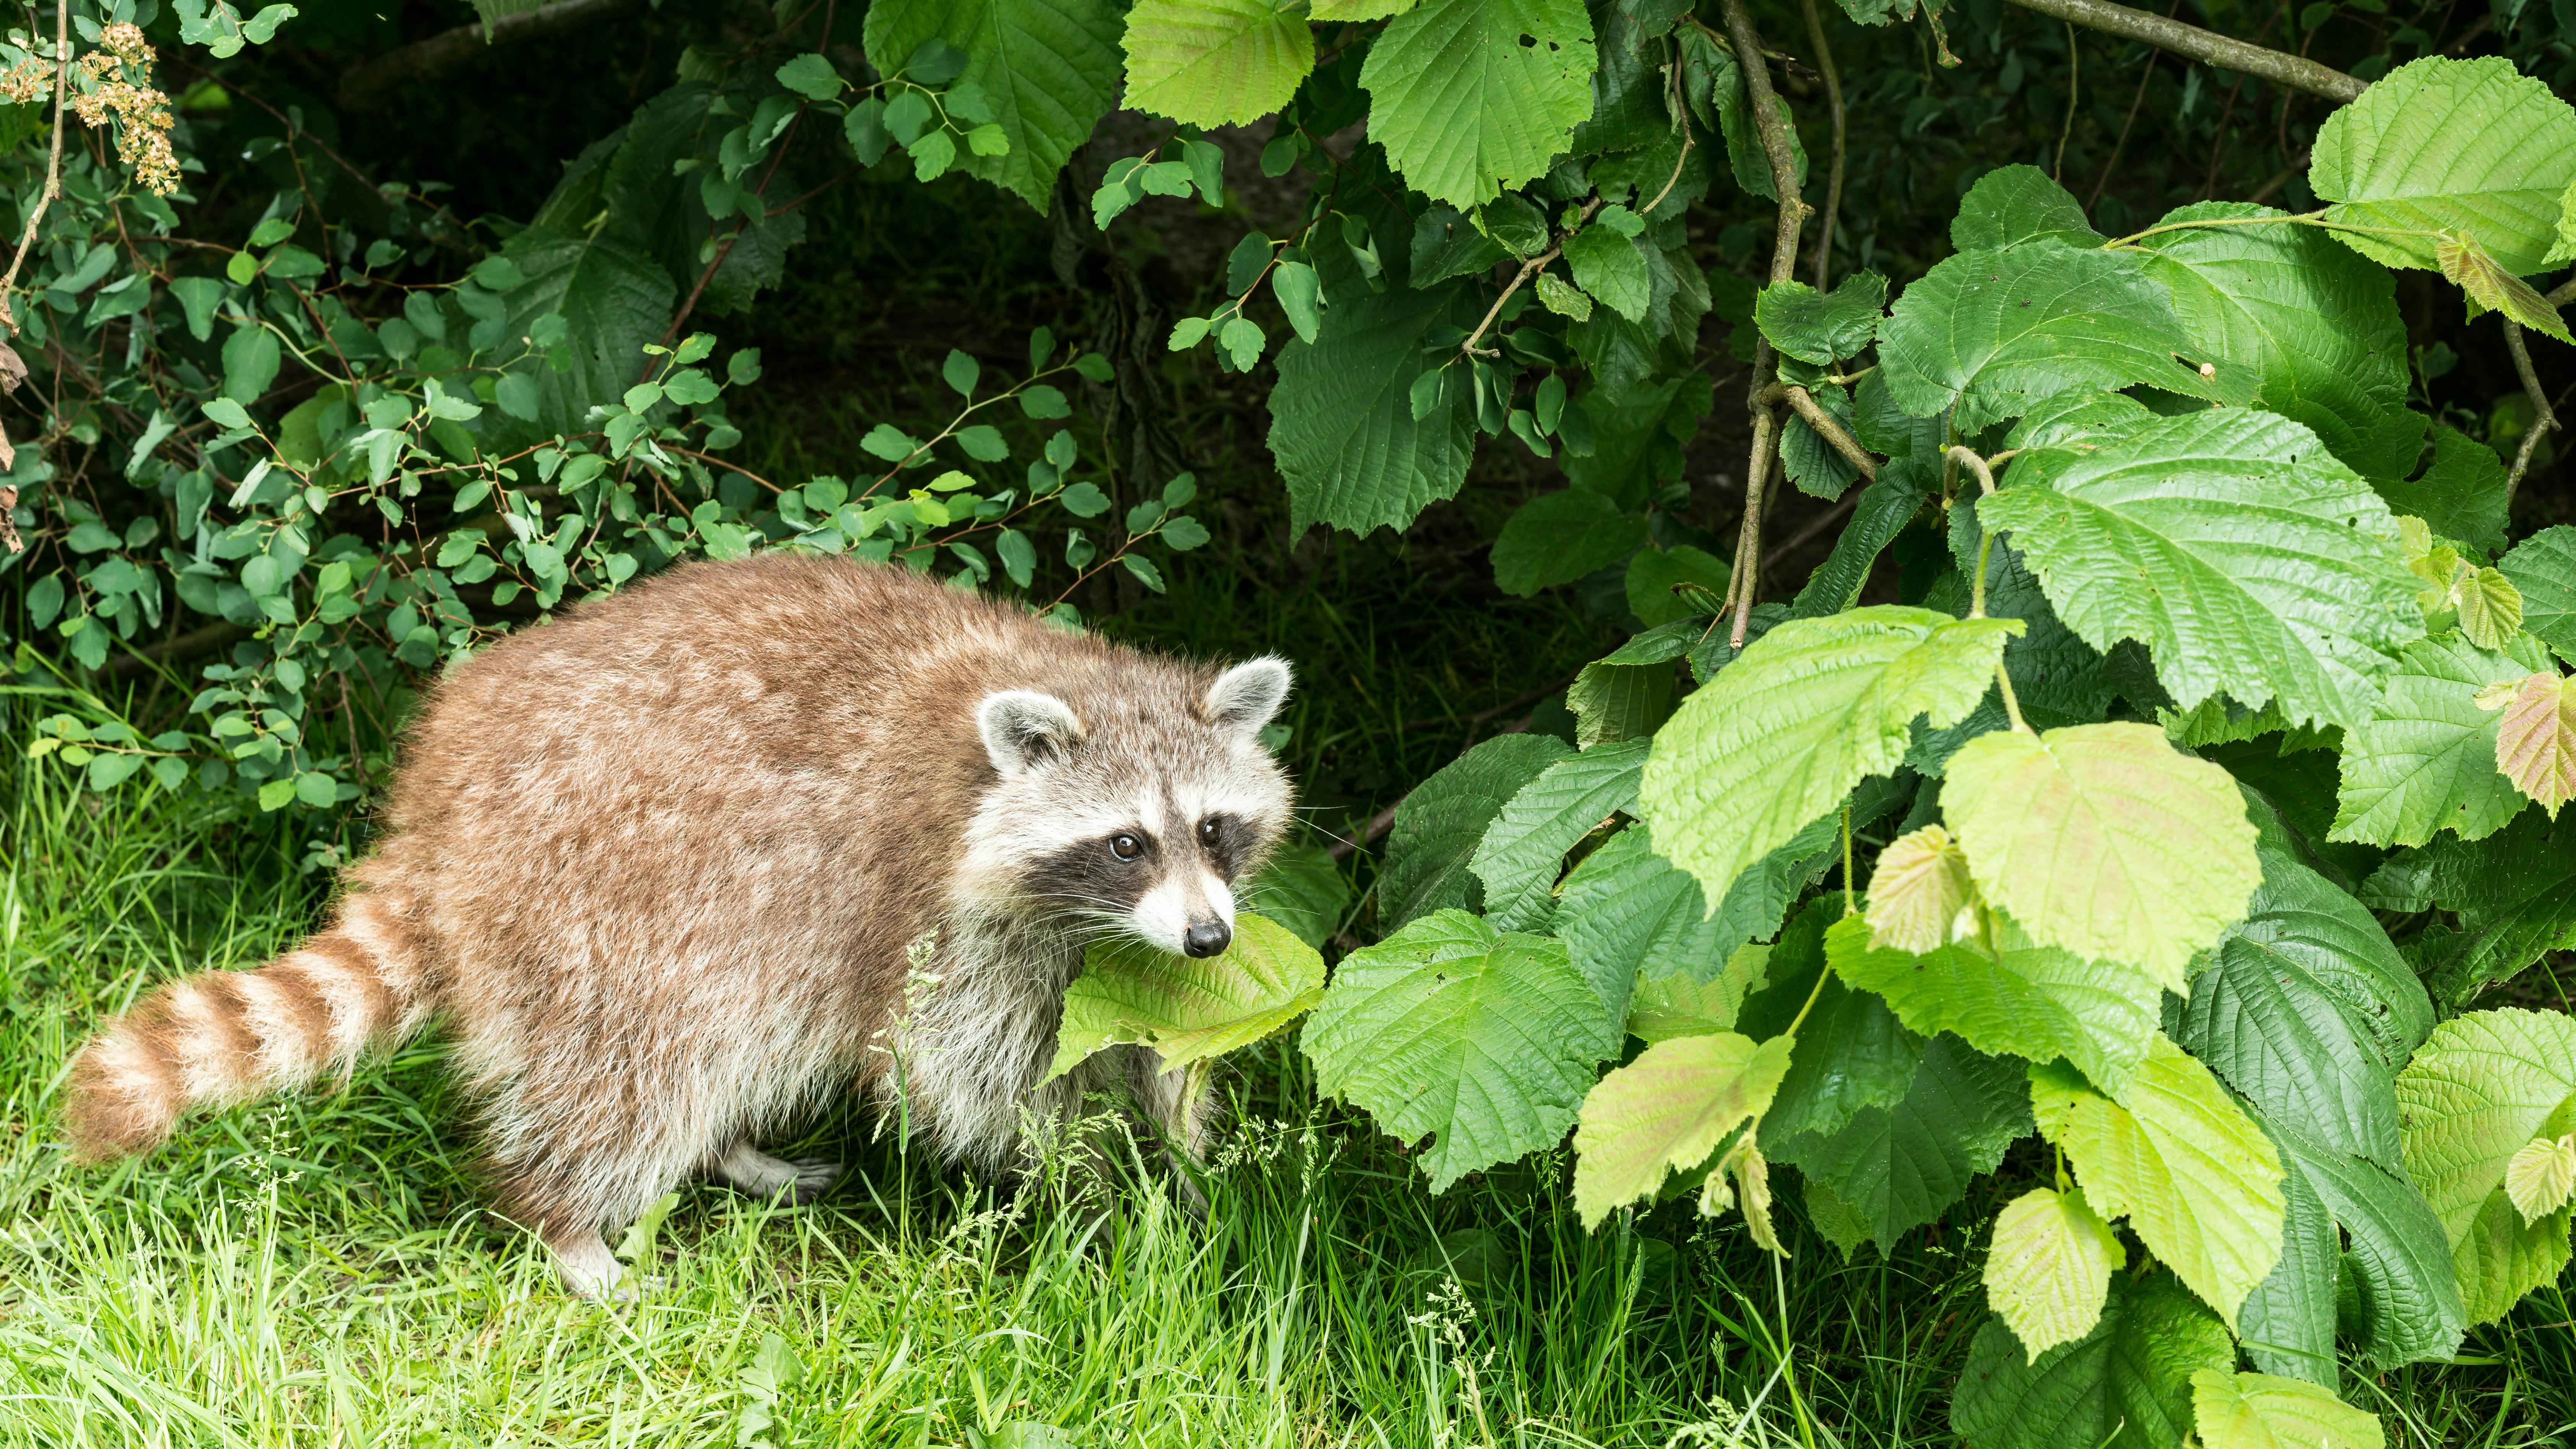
[[2543, 418], [53, 163], [2208, 47], [1805, 405], [1743, 582]]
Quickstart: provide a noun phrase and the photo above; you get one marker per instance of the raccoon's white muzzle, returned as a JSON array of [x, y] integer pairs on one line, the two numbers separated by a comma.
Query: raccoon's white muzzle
[[1191, 914]]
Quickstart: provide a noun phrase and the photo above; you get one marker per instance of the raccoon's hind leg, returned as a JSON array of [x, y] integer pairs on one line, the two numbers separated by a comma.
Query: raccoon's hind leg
[[586, 1266], [753, 1171]]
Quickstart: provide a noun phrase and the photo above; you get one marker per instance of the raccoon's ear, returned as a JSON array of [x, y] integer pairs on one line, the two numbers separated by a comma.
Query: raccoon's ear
[[1023, 729], [1245, 697]]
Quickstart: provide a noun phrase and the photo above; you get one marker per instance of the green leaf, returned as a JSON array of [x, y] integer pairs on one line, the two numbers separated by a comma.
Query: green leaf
[[811, 76], [1616, 702], [1524, 849], [1610, 267], [1216, 62], [1818, 468], [1821, 327], [2048, 1268], [1473, 97], [1653, 573], [2259, 1411], [2313, 934], [1896, 1168], [1342, 424], [1666, 1112], [1852, 1056], [1302, 888], [2542, 1176], [2314, 326], [2543, 569], [1878, 516], [1916, 891], [2288, 1321], [2469, 146], [1188, 1009], [1992, 332], [1438, 827], [1557, 538], [2484, 1086], [2104, 840], [250, 362], [1300, 296], [2198, 1181], [1744, 154], [1627, 913], [2461, 495], [2399, 1260], [2515, 894], [1049, 68], [612, 299], [2127, 1382], [1666, 1007], [2013, 204], [2030, 1001], [2233, 546], [1485, 1042], [2425, 760], [1804, 714]]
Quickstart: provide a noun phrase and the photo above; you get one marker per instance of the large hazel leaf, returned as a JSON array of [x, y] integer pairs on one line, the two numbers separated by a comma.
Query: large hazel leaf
[[2543, 569], [1525, 846], [2485, 1086], [614, 300], [2400, 1259], [2106, 841], [1626, 913], [2175, 1155], [1893, 1169], [2441, 145], [1049, 68], [1809, 710], [2293, 1049], [2425, 760], [2502, 1257], [2315, 326], [2048, 1268], [1992, 332], [1484, 1042], [2030, 1001], [1666, 1112], [1216, 62], [2126, 1383], [1188, 1009], [2014, 204], [1470, 97], [1438, 827], [2459, 495], [2233, 545], [2259, 1411], [1352, 453]]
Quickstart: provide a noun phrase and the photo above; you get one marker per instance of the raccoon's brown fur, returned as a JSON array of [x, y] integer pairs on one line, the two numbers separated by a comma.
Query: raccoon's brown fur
[[656, 866]]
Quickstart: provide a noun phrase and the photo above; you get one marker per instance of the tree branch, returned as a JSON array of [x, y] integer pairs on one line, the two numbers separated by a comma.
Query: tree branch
[[1804, 404], [2543, 418], [1741, 584], [2206, 46], [364, 87], [53, 163], [1833, 176]]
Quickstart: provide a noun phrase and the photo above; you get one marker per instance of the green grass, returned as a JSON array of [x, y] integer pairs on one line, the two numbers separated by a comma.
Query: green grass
[[322, 1270]]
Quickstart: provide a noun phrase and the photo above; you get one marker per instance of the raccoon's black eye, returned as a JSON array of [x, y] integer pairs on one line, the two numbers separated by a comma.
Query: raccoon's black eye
[[1208, 831], [1126, 847]]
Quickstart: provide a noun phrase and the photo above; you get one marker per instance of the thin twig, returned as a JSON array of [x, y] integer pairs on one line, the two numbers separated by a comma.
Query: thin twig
[[2126, 125], [1774, 133], [2074, 87], [1833, 175], [1529, 269], [53, 162], [1804, 404], [2543, 418], [2205, 46], [1816, 525]]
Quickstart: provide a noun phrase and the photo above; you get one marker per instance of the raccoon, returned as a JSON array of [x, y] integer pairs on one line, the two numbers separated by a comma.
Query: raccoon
[[666, 870]]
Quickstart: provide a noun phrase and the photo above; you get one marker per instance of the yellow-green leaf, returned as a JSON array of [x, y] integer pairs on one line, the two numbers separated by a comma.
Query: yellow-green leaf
[[2181, 1161], [1666, 1112], [1917, 891], [2260, 1411], [2541, 1178], [2536, 739], [1216, 62], [1187, 1009], [2486, 604], [2049, 1267], [1742, 1178], [2105, 840], [1677, 1006], [2493, 289]]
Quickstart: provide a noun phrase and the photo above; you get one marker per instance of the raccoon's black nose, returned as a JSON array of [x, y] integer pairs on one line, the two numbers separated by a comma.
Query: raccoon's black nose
[[1207, 938]]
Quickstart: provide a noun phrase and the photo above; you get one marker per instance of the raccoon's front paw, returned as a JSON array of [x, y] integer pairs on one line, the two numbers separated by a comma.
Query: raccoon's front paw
[[814, 1177]]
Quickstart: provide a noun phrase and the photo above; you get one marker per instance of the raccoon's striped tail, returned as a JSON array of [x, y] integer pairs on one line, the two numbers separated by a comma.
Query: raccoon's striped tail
[[223, 1037]]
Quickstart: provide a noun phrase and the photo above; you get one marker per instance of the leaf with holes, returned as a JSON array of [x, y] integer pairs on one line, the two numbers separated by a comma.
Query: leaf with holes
[[2048, 1268], [1666, 1112], [1990, 333], [1484, 1042], [2440, 145], [2199, 1183], [2106, 841], [2029, 1001], [2259, 1411], [1188, 1010], [1216, 62], [2426, 759], [1470, 97], [2536, 739], [1804, 714], [2231, 544]]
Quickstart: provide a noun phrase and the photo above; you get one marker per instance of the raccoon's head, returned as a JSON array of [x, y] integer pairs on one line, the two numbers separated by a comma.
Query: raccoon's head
[[1135, 804]]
